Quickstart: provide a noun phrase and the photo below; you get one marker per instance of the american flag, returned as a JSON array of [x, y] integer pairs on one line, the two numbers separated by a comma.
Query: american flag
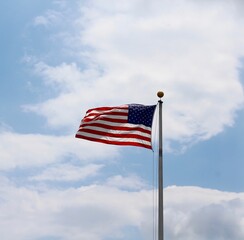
[[123, 125]]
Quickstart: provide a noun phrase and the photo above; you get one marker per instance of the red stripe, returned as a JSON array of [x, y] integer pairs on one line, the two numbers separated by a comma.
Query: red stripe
[[116, 135], [120, 128], [114, 142]]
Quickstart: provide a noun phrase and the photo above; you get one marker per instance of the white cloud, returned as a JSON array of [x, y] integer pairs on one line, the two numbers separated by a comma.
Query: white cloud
[[75, 88], [27, 150], [191, 50], [91, 212], [196, 213], [61, 3], [131, 182], [96, 212], [49, 18], [67, 172]]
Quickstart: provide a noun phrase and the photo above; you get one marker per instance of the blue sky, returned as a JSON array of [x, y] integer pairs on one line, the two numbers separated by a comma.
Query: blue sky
[[60, 58]]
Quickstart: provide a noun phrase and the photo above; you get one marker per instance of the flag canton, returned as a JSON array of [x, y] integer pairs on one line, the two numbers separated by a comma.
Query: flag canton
[[140, 114]]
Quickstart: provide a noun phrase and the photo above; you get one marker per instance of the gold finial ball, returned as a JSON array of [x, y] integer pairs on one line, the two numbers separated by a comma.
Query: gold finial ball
[[160, 94]]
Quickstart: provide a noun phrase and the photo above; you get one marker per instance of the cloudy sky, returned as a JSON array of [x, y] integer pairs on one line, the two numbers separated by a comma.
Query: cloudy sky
[[60, 58]]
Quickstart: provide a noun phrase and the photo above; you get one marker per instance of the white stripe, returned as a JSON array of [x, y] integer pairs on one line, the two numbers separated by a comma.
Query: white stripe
[[105, 130]]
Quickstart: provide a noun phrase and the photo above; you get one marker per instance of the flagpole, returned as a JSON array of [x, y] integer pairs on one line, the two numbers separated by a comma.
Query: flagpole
[[160, 94]]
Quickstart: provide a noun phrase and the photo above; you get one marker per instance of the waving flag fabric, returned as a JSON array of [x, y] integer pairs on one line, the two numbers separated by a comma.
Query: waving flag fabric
[[123, 125]]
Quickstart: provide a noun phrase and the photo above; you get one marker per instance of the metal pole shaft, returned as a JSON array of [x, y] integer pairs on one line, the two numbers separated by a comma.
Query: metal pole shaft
[[160, 177]]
